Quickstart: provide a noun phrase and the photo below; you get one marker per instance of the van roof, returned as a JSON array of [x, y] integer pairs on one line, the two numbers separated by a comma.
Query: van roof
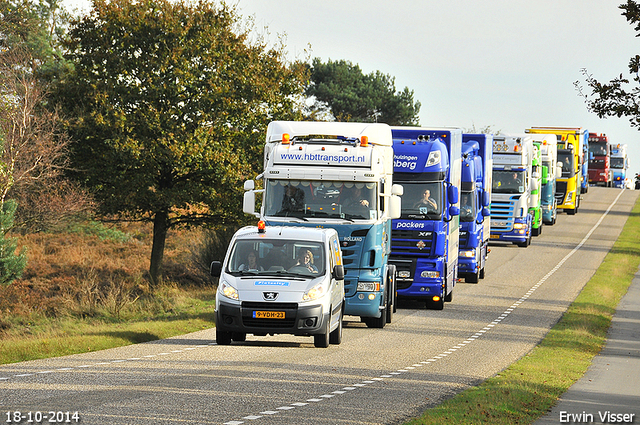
[[311, 234]]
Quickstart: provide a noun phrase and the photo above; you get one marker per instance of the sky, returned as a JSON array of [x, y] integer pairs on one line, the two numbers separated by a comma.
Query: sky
[[507, 64]]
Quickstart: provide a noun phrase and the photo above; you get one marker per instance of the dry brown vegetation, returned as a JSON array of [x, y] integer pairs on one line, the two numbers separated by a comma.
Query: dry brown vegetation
[[87, 275]]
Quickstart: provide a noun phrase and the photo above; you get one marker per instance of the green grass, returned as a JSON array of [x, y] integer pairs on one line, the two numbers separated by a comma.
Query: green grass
[[42, 337], [528, 388]]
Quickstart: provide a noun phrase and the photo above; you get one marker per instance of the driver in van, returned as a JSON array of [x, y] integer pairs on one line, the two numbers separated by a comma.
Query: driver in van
[[305, 259]]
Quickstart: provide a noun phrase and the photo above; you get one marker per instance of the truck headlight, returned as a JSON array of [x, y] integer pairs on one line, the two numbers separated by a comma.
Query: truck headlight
[[433, 159], [430, 274], [228, 290], [368, 287], [519, 225], [468, 253], [314, 293]]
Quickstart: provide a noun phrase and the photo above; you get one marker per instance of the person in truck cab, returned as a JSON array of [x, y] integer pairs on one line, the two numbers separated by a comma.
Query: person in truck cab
[[427, 202]]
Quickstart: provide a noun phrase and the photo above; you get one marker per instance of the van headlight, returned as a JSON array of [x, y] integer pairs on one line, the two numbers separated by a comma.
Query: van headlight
[[227, 290], [314, 293]]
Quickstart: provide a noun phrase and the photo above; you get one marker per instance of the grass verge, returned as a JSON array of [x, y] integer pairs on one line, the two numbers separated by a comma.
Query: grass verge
[[528, 388], [42, 337]]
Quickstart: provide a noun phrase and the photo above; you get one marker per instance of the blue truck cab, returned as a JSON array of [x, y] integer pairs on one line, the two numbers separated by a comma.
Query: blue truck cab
[[475, 198], [425, 239]]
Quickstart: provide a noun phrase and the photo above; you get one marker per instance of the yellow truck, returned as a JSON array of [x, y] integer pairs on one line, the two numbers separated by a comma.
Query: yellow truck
[[571, 154]]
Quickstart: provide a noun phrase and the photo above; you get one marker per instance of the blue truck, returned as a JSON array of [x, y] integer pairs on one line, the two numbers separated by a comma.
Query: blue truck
[[425, 239], [336, 175], [475, 198]]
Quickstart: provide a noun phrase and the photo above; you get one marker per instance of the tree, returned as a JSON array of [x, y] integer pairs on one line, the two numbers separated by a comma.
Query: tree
[[33, 153], [349, 95], [615, 98], [171, 100], [12, 264]]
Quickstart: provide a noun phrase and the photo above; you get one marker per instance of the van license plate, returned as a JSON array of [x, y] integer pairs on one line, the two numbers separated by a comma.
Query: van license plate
[[268, 314]]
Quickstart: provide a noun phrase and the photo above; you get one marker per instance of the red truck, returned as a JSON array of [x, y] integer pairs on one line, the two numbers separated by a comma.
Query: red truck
[[600, 171]]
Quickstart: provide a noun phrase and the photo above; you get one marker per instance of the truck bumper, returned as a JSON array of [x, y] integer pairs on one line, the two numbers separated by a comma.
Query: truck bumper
[[361, 305]]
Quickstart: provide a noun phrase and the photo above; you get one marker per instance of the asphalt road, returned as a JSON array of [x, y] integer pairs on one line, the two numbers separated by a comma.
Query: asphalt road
[[375, 376]]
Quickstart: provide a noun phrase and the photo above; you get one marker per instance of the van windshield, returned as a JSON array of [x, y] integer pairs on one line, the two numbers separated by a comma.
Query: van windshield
[[271, 257]]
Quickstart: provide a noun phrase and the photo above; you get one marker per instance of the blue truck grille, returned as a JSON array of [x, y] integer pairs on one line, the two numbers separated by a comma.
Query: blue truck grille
[[411, 242]]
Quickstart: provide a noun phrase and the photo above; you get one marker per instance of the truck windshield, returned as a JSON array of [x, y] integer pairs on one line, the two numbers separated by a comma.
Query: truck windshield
[[598, 149], [509, 181], [467, 206], [315, 198], [266, 257], [422, 200], [617, 162], [568, 166]]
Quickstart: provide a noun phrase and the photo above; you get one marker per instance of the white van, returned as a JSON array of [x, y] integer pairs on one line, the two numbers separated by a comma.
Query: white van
[[281, 280]]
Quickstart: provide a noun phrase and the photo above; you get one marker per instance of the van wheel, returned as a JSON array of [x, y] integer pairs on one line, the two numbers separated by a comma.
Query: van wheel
[[322, 340], [335, 337], [223, 338], [239, 336]]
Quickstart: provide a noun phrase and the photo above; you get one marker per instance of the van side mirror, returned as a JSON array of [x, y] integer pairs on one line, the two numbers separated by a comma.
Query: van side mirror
[[338, 272], [216, 268]]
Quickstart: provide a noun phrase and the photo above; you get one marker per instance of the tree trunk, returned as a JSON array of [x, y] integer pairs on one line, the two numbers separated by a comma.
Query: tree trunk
[[160, 226]]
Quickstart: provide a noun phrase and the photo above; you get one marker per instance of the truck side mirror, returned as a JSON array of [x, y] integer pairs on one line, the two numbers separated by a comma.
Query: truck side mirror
[[338, 272], [452, 191], [216, 268], [249, 202], [486, 212], [454, 210], [558, 170], [395, 206], [486, 198], [249, 185], [397, 189]]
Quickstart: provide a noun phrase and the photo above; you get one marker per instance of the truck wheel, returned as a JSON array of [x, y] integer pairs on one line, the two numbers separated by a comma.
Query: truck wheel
[[335, 337], [472, 278], [377, 323], [223, 338], [449, 297], [391, 296], [322, 340]]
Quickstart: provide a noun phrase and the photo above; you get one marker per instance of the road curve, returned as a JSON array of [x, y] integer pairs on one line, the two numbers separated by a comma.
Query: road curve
[[375, 376]]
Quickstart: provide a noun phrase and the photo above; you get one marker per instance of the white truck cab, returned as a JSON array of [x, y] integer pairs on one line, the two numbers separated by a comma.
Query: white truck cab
[[281, 280]]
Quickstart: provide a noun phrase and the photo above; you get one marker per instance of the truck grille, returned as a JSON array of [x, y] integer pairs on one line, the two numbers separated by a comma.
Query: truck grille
[[561, 191]]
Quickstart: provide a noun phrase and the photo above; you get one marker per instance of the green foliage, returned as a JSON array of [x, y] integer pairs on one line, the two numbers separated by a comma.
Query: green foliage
[[36, 28], [353, 96], [614, 98], [98, 229], [12, 264], [171, 102]]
